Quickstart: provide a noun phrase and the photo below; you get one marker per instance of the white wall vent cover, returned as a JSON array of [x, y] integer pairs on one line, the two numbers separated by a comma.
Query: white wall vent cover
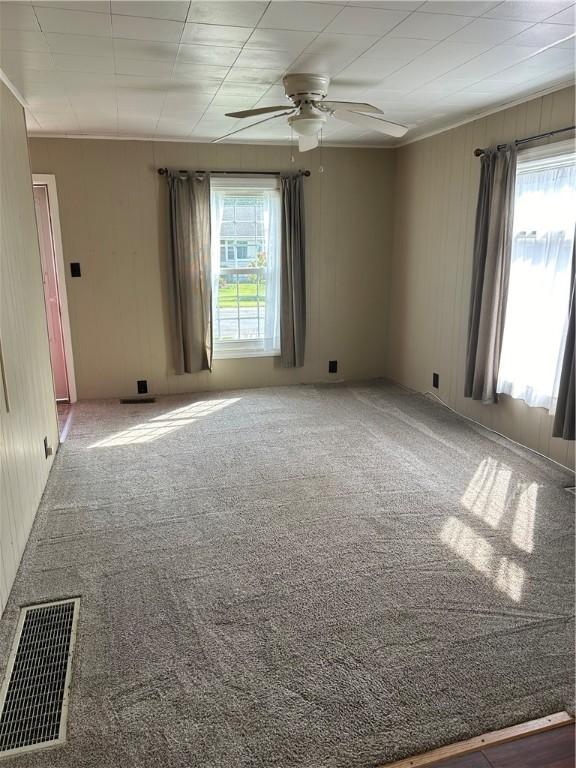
[[34, 694]]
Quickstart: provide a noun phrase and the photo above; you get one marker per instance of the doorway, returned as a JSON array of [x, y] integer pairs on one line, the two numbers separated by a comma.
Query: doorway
[[53, 278]]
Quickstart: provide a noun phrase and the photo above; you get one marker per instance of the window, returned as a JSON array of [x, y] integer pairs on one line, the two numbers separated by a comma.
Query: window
[[539, 287], [245, 267]]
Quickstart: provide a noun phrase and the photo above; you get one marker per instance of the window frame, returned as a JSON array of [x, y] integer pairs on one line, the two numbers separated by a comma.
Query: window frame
[[255, 347]]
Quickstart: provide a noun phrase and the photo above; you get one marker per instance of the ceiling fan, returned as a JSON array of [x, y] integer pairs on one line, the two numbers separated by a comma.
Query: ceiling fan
[[311, 110]]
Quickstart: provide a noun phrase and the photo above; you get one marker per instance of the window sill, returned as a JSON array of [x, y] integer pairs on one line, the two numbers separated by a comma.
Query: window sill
[[238, 354]]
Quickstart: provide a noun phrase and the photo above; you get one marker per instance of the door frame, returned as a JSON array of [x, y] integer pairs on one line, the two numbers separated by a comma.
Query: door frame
[[49, 181]]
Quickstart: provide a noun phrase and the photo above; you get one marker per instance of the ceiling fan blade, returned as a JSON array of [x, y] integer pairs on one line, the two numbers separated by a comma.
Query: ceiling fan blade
[[371, 123], [258, 111], [252, 125], [306, 143], [355, 106]]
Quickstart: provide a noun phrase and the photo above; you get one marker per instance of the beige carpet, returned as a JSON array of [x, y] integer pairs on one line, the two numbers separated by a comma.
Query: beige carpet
[[312, 577]]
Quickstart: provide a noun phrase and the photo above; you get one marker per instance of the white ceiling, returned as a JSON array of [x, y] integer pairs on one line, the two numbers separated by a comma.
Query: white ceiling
[[172, 69]]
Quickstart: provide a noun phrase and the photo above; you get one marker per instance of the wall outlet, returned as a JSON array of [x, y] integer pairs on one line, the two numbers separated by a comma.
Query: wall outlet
[[75, 269], [142, 386], [332, 366], [435, 380]]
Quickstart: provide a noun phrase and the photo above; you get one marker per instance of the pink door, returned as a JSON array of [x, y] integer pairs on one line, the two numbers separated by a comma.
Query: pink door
[[51, 295]]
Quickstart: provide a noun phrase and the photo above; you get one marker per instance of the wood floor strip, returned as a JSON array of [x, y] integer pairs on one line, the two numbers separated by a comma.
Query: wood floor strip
[[486, 740]]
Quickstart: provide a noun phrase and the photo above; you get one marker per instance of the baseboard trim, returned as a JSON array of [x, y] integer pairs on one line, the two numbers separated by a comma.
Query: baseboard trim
[[486, 740]]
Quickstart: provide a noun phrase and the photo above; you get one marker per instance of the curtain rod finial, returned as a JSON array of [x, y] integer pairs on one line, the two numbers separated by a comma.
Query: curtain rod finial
[[478, 152]]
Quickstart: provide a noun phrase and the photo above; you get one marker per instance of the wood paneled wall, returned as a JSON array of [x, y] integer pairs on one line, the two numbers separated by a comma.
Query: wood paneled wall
[[113, 216], [436, 189], [28, 413]]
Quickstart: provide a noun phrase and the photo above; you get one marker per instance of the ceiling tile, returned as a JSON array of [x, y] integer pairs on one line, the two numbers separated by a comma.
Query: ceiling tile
[[459, 7], [553, 57], [493, 86], [564, 17], [340, 46], [82, 82], [231, 102], [310, 17], [168, 128], [167, 9], [246, 75], [180, 103], [407, 79], [399, 5], [80, 44], [55, 121], [430, 26], [74, 22], [212, 34], [14, 62], [241, 90], [493, 61], [451, 54], [542, 34], [18, 16], [327, 65], [184, 119], [91, 104], [369, 70], [256, 58], [490, 31], [403, 48], [138, 28], [98, 6], [284, 39], [207, 54], [138, 98], [71, 63], [205, 73], [190, 87], [237, 14], [365, 21], [22, 40], [449, 83], [145, 49], [143, 67], [527, 10]]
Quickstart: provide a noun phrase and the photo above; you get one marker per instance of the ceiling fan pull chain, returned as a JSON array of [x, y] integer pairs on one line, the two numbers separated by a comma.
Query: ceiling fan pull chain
[[292, 145], [321, 168]]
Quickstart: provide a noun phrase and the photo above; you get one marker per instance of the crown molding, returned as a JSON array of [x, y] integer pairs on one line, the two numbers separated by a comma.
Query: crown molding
[[12, 88]]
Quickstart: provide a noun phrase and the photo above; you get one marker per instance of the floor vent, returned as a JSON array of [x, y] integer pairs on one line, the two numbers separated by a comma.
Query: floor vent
[[137, 400], [34, 695]]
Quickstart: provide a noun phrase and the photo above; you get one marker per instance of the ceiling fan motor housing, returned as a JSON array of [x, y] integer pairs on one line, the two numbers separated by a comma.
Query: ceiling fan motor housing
[[306, 87]]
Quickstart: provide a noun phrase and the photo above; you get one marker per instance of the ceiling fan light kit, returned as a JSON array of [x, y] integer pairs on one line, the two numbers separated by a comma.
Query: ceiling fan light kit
[[311, 111]]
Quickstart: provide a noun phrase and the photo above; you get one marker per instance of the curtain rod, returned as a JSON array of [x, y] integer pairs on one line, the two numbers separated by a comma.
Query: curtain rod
[[164, 171], [479, 152]]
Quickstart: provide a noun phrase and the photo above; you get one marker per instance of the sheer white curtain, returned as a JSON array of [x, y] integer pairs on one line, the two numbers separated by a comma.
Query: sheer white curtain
[[217, 198], [272, 271], [538, 295]]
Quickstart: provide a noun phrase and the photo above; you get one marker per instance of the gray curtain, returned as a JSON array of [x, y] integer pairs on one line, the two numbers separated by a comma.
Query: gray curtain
[[565, 418], [190, 272], [491, 270], [293, 282]]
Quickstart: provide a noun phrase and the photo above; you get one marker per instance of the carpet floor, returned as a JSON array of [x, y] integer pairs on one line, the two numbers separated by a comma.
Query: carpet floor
[[305, 577]]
